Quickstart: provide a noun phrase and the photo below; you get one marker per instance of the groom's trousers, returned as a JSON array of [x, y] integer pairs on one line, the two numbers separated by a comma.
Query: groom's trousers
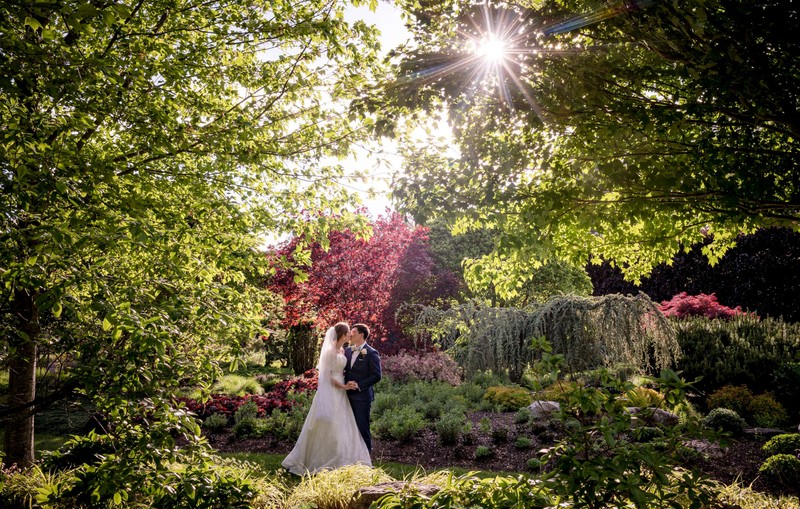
[[361, 410]]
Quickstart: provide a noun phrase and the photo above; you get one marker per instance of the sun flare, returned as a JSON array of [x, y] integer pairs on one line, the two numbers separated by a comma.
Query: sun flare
[[492, 49]]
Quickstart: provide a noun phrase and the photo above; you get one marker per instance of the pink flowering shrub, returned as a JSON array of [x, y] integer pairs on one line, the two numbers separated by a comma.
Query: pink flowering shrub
[[276, 399], [428, 366], [684, 306]]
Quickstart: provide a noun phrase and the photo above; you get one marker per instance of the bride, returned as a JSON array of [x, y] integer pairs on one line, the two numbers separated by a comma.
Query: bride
[[330, 437]]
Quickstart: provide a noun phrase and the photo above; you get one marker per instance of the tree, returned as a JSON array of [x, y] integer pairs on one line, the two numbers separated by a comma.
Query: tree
[[465, 253], [354, 279], [761, 274], [626, 132], [145, 147], [588, 332]]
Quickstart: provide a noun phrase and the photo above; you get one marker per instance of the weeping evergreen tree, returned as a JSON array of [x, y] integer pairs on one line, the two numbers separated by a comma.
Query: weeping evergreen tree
[[590, 332]]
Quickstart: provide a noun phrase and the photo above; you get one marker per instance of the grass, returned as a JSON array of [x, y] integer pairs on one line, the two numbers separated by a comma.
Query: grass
[[744, 497], [270, 463], [252, 364], [41, 442], [236, 385]]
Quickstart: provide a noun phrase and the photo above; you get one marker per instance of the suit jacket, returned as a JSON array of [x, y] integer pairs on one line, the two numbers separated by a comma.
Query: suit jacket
[[366, 371]]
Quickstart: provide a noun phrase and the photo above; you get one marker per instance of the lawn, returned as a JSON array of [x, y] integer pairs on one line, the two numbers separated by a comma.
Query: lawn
[[269, 463]]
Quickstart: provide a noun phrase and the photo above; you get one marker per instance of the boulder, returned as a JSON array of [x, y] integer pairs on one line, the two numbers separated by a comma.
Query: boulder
[[367, 495], [708, 449], [543, 410], [764, 432], [650, 416]]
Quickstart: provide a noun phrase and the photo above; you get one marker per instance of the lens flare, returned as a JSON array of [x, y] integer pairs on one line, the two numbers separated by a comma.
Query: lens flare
[[492, 49]]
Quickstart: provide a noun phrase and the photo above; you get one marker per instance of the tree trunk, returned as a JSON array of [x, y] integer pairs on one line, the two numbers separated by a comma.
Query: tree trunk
[[303, 346], [18, 442]]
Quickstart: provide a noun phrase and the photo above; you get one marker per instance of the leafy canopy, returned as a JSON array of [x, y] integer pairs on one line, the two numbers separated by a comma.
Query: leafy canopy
[[146, 147], [626, 131]]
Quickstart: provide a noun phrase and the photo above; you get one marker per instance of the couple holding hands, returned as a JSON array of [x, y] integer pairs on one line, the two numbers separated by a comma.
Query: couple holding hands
[[336, 430]]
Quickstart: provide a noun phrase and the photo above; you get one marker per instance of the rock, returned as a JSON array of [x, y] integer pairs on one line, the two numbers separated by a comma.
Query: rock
[[542, 410], [764, 432], [650, 416], [364, 497], [706, 448]]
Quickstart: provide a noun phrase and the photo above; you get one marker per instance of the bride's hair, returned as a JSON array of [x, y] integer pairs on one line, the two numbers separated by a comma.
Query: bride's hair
[[341, 329]]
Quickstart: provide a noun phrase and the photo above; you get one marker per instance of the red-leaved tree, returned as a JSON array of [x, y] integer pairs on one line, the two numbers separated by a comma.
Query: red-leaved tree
[[356, 280], [683, 305]]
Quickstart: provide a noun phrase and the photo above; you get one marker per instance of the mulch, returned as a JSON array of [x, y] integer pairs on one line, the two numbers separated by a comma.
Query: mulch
[[739, 462]]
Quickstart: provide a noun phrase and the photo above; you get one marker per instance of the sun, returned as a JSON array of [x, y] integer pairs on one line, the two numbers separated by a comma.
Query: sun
[[492, 49]]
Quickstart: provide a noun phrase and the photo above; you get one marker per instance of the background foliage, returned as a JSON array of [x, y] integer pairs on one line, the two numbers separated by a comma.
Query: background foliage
[[627, 138], [145, 148]]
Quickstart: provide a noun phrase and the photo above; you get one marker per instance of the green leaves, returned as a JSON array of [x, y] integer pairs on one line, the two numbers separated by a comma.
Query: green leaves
[[627, 138], [146, 152]]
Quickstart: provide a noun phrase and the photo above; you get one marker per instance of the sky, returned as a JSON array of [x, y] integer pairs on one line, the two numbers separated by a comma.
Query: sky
[[380, 159]]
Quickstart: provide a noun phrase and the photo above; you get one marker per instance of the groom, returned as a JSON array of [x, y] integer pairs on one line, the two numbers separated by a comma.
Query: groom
[[362, 371]]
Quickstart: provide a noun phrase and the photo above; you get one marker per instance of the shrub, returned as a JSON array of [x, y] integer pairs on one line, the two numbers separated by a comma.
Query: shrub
[[487, 406], [594, 377], [740, 351], [449, 428], [684, 305], [485, 425], [643, 397], [432, 409], [467, 434], [237, 385], [534, 464], [724, 419], [523, 416], [248, 411], [508, 398], [736, 398], [766, 412], [598, 450], [523, 443], [482, 452], [430, 366], [784, 468], [500, 435], [557, 391], [384, 401], [147, 470], [285, 425], [786, 383], [215, 423], [402, 424], [19, 487], [647, 433], [248, 428], [471, 392], [487, 379], [686, 412], [788, 443]]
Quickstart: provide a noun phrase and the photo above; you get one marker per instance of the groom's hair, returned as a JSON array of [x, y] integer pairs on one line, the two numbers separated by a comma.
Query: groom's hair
[[363, 329], [341, 329]]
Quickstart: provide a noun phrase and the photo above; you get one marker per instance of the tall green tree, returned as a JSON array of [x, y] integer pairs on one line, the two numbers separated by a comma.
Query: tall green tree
[[465, 254], [627, 131], [145, 148]]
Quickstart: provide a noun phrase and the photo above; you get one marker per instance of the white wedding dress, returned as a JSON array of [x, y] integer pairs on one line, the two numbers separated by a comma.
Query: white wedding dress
[[330, 437]]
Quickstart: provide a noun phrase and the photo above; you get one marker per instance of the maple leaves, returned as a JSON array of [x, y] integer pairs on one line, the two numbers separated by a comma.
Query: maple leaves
[[684, 305], [358, 280]]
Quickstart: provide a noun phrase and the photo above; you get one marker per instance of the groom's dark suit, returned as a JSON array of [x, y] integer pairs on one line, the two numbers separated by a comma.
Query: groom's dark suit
[[366, 371]]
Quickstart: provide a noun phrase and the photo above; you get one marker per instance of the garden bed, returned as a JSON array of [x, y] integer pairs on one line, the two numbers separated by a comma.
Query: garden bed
[[738, 462]]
